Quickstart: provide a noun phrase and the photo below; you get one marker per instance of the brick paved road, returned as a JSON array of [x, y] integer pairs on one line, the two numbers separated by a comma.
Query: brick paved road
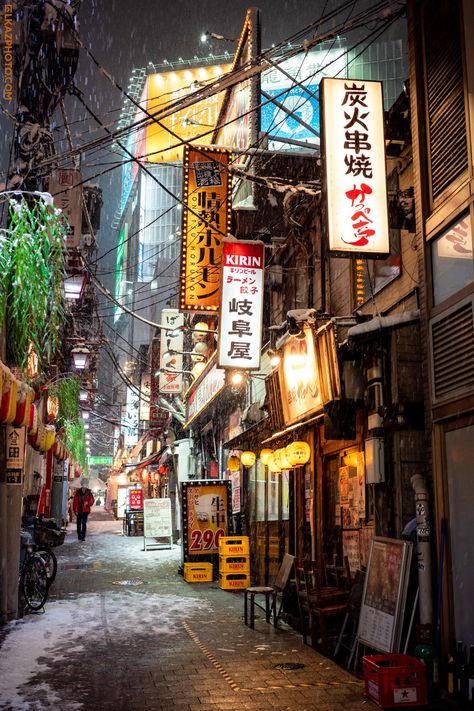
[[155, 642]]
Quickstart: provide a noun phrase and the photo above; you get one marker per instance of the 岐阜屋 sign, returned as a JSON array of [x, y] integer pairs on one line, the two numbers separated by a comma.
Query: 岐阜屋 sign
[[354, 157], [240, 323]]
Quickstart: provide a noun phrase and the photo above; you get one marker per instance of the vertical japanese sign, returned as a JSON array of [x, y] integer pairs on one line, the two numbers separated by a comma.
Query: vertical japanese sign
[[171, 349], [240, 323], [145, 396], [206, 511], [15, 454], [206, 221], [66, 189], [354, 155]]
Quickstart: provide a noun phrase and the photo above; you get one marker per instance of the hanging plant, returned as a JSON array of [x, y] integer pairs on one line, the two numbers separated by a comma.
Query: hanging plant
[[67, 392], [32, 260], [75, 435]]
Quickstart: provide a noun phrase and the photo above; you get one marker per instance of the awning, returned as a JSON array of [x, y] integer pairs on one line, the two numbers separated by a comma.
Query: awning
[[247, 438], [144, 462], [292, 428], [379, 322]]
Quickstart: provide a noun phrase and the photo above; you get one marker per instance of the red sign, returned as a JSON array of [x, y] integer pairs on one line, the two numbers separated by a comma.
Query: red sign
[[136, 499]]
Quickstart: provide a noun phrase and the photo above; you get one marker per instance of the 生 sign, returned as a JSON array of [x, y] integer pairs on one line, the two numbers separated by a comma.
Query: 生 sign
[[354, 157], [240, 323]]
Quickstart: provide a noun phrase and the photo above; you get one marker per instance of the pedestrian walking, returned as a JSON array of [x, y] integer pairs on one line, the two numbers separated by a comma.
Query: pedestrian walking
[[82, 504]]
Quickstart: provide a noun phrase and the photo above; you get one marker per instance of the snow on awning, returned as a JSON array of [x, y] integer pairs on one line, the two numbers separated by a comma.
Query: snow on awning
[[380, 322]]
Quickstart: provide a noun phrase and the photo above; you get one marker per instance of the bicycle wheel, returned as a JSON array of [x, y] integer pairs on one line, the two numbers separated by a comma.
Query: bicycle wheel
[[51, 563], [34, 582]]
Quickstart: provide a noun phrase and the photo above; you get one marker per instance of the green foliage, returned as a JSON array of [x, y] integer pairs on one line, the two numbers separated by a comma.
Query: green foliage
[[76, 442], [67, 392], [32, 303]]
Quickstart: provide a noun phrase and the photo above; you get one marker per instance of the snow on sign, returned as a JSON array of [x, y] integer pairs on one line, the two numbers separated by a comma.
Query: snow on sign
[[354, 154], [240, 323]]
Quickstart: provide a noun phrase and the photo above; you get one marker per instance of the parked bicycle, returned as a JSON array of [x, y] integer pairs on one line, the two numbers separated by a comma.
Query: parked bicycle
[[47, 535], [34, 574]]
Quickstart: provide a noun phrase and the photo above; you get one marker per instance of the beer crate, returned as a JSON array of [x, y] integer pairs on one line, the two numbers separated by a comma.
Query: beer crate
[[394, 680], [198, 572], [234, 564], [234, 545], [234, 581]]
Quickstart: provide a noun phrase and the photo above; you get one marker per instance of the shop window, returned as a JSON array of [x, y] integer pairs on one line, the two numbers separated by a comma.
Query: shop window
[[285, 496], [452, 260], [260, 491], [273, 486], [252, 475]]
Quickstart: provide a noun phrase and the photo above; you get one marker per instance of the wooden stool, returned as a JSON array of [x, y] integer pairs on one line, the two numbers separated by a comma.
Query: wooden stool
[[251, 593]]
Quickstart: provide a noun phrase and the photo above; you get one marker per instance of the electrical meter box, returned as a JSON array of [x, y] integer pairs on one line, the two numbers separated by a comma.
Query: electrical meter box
[[374, 461]]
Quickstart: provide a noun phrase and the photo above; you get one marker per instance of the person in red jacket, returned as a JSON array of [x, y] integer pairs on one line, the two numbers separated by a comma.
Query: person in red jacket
[[83, 501]]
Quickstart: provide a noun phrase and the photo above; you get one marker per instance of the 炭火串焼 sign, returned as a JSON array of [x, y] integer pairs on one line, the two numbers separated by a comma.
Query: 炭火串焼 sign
[[206, 221], [354, 157], [240, 323]]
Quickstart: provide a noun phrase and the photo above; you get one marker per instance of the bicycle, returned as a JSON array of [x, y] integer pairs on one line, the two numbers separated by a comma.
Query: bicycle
[[34, 579], [46, 535]]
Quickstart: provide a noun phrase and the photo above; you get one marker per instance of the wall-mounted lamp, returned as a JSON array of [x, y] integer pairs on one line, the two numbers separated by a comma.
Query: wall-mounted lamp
[[74, 286], [275, 358], [81, 357]]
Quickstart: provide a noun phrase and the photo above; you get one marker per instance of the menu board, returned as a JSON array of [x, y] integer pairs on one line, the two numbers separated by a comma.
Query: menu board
[[157, 520], [384, 595]]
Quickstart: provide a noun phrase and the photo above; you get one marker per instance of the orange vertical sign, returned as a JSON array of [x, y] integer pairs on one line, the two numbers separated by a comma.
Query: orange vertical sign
[[206, 221]]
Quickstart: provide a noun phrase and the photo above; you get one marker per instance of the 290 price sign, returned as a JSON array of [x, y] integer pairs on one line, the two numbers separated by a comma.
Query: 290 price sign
[[206, 540]]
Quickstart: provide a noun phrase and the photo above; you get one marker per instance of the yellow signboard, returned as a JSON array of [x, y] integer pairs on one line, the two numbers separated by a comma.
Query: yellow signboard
[[163, 89], [206, 221]]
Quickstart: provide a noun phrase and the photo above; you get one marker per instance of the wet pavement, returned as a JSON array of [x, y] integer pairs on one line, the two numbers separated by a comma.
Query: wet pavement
[[122, 630]]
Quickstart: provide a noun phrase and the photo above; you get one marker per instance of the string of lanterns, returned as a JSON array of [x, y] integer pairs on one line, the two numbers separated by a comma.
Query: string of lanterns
[[296, 454]]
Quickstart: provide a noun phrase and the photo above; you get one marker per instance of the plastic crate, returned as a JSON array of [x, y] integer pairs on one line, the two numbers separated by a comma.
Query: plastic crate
[[198, 572], [393, 680], [234, 564], [234, 581], [234, 545]]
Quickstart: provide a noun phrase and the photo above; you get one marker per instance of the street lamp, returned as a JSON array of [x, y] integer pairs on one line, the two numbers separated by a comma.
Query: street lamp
[[74, 286], [81, 357]]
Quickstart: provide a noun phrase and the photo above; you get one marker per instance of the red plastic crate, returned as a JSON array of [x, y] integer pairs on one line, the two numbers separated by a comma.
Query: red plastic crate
[[393, 680]]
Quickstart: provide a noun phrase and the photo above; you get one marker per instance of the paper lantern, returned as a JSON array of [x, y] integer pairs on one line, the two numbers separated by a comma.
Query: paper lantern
[[248, 458], [145, 476], [277, 457], [273, 467], [233, 463], [264, 454], [25, 397], [9, 397], [298, 453], [50, 436], [284, 461]]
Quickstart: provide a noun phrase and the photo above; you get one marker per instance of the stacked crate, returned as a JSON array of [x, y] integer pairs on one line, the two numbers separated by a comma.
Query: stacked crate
[[234, 562]]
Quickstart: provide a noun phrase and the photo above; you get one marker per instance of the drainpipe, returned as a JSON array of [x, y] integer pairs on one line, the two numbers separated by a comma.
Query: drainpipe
[[423, 535]]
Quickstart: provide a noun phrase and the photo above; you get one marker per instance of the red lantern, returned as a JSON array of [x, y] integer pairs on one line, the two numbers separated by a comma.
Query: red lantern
[[163, 469]]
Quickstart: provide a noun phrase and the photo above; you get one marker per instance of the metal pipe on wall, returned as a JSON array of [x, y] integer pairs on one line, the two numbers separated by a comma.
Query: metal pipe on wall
[[423, 535]]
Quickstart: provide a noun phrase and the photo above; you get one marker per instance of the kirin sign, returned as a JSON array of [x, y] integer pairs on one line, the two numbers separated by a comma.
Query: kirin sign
[[240, 324]]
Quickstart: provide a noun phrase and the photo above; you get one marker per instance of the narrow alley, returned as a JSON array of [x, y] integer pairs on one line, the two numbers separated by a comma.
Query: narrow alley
[[122, 630]]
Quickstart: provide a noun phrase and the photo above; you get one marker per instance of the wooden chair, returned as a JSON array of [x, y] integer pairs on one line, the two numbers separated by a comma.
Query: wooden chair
[[270, 593], [317, 604]]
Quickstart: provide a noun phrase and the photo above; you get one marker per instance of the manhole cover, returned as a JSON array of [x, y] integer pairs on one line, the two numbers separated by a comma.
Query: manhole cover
[[289, 666], [132, 582]]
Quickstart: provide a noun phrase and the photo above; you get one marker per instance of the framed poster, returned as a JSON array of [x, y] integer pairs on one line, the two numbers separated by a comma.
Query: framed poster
[[206, 513], [157, 521], [383, 599]]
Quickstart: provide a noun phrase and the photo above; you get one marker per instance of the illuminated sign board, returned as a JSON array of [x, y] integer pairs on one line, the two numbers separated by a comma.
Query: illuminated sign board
[[65, 185], [92, 460], [300, 381], [171, 349], [294, 84], [240, 322], [204, 392], [206, 221], [354, 156], [195, 122]]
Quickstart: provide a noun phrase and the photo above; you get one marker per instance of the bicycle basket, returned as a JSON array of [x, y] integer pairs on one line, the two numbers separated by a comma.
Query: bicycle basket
[[49, 537]]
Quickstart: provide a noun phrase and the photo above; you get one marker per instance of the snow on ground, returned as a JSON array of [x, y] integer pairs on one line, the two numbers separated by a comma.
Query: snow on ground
[[61, 636]]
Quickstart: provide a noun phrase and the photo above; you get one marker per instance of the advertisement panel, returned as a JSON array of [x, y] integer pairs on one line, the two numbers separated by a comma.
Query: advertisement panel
[[171, 359], [354, 159], [206, 221], [205, 391], [206, 512], [295, 88], [68, 199], [299, 375], [240, 323], [163, 89]]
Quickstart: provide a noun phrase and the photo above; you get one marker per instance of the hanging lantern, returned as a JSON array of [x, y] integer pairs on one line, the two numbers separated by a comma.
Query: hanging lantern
[[33, 420], [163, 469], [248, 458], [284, 461], [52, 407], [145, 476], [25, 397], [50, 436], [9, 397], [233, 463], [273, 467], [264, 454], [276, 458], [298, 453]]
